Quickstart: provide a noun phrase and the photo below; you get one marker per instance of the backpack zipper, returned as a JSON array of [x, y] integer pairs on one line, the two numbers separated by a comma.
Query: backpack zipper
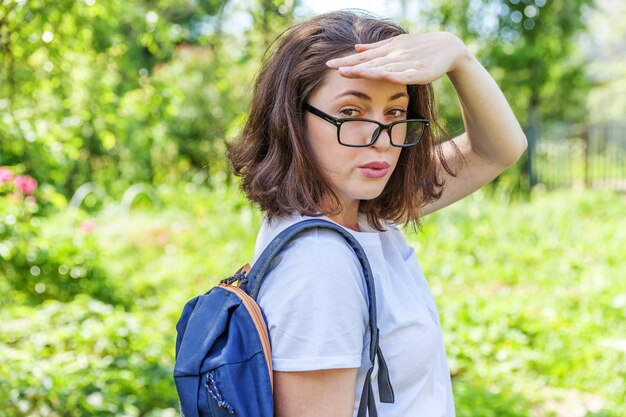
[[259, 323]]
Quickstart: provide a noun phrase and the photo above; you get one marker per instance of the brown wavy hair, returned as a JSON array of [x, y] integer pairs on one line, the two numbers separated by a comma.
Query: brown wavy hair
[[278, 169]]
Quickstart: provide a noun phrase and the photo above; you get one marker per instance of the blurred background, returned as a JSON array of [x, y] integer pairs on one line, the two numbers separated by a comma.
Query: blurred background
[[117, 205]]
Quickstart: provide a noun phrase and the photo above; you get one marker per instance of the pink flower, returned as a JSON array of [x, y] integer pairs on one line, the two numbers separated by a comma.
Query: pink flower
[[161, 236], [6, 175], [88, 226], [25, 183]]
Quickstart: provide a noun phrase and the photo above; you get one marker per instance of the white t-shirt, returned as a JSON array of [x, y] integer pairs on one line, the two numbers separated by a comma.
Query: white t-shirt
[[315, 303]]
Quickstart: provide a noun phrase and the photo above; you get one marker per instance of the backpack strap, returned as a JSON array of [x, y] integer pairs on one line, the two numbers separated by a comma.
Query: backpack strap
[[257, 275]]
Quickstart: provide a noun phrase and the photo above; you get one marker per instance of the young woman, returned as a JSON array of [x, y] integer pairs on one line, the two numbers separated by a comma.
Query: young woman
[[343, 126]]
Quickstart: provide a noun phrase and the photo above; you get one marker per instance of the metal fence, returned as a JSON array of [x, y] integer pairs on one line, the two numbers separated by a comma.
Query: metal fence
[[592, 156]]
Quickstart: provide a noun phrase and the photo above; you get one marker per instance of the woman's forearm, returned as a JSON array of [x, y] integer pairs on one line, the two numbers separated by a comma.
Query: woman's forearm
[[492, 130]]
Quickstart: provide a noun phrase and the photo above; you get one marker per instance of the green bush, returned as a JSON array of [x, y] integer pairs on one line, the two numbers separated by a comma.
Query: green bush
[[45, 258], [84, 357], [532, 301]]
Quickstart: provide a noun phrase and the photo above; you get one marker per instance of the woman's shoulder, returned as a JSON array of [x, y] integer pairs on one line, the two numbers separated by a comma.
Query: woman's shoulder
[[317, 263], [313, 242], [318, 245]]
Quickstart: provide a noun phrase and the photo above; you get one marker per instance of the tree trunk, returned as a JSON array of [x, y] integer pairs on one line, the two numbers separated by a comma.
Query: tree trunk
[[533, 132]]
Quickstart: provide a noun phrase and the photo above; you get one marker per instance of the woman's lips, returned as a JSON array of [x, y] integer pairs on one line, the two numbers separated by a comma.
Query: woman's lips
[[375, 169]]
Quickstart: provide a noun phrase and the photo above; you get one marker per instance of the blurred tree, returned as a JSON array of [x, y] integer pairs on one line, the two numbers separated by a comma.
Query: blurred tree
[[605, 48], [531, 47], [271, 17], [117, 92], [539, 54], [66, 68]]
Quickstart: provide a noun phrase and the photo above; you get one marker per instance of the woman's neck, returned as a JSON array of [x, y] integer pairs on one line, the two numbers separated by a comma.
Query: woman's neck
[[348, 217], [351, 224]]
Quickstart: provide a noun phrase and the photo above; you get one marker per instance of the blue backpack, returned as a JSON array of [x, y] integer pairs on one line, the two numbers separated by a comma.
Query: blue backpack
[[223, 354]]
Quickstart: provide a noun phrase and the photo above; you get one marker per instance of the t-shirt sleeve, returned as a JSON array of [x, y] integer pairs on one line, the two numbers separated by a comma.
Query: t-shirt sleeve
[[315, 304]]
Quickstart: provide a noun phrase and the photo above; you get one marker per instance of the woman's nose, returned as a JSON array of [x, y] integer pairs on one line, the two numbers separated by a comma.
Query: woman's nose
[[383, 141]]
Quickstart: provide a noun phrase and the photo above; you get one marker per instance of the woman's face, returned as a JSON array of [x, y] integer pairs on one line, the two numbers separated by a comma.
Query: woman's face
[[356, 173]]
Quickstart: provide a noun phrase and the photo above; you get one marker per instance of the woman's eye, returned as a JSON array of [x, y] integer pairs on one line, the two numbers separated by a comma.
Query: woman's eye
[[349, 112], [400, 113]]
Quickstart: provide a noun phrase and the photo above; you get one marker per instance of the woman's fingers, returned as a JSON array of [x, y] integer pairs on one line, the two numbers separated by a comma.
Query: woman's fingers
[[395, 66], [366, 46], [369, 51], [350, 60], [363, 72], [374, 72], [398, 72], [380, 61], [393, 60], [360, 57]]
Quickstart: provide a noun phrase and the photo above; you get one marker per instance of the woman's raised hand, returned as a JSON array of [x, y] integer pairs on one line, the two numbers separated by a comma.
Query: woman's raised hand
[[404, 59]]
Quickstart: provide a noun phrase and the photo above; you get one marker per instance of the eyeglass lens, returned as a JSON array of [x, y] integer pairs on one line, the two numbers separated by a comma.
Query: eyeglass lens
[[361, 133]]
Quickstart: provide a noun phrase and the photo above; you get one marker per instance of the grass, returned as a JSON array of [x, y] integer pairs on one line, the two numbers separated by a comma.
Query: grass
[[532, 299]]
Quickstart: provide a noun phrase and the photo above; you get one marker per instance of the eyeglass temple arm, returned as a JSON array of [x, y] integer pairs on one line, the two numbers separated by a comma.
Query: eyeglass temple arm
[[321, 114]]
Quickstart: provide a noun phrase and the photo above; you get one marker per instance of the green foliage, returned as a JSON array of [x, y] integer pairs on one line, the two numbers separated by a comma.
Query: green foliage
[[77, 98], [269, 19], [538, 53], [531, 304], [84, 358], [122, 92], [44, 260], [53, 263]]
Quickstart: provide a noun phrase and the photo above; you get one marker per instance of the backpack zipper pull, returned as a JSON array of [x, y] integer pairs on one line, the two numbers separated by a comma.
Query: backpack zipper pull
[[215, 393], [240, 276]]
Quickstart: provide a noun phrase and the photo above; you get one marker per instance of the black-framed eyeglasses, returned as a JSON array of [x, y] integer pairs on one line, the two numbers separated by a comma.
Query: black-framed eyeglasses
[[361, 133]]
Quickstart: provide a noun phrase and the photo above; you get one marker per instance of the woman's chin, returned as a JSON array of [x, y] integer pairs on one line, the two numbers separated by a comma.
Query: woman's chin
[[370, 194]]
